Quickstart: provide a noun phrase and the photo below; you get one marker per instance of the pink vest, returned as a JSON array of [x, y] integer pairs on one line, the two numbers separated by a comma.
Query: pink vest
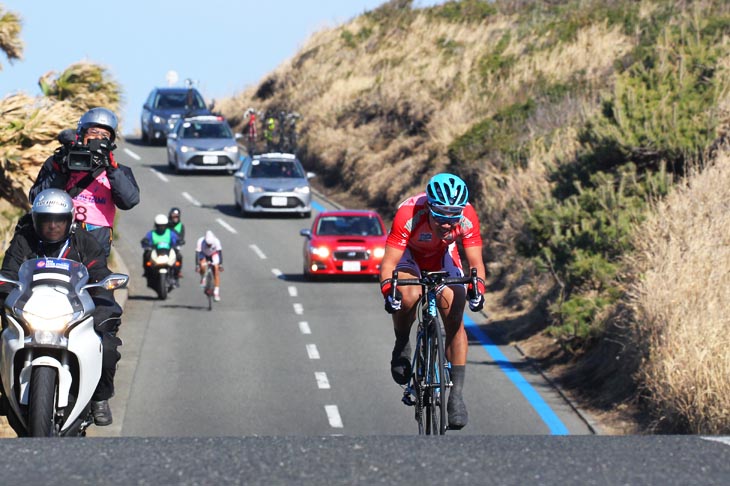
[[93, 205]]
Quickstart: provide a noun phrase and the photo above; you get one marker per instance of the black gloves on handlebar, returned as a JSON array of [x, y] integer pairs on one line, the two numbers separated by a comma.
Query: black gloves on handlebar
[[393, 301], [476, 295]]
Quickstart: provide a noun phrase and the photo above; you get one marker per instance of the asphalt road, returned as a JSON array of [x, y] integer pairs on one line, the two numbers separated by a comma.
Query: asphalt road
[[287, 381]]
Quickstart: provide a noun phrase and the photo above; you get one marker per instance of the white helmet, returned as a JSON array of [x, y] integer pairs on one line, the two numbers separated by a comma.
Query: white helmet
[[160, 220], [209, 238], [52, 205]]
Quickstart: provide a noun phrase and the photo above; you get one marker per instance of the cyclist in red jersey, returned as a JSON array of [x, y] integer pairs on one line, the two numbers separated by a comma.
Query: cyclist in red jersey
[[424, 234]]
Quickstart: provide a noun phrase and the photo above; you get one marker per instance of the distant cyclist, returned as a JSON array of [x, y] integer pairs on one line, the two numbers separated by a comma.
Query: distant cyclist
[[425, 230], [208, 250]]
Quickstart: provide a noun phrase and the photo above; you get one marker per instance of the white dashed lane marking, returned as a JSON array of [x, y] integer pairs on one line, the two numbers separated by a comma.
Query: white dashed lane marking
[[312, 351], [277, 273], [259, 253], [333, 416], [191, 199], [292, 291], [160, 175], [304, 327], [226, 226], [132, 154], [322, 382], [298, 309]]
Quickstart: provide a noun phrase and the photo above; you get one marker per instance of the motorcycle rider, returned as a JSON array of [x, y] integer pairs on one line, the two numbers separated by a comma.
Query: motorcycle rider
[[53, 234], [178, 227], [159, 237], [208, 249], [96, 193]]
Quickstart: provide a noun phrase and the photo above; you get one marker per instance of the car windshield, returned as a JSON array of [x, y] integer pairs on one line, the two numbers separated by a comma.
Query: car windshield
[[349, 226], [179, 100], [206, 130], [274, 169]]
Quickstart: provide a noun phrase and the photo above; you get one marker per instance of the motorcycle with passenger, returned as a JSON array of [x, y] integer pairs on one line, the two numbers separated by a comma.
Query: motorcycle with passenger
[[51, 355], [160, 260]]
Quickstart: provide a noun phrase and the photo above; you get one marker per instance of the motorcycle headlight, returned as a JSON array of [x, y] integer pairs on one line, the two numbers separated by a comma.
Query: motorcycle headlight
[[55, 323], [302, 190]]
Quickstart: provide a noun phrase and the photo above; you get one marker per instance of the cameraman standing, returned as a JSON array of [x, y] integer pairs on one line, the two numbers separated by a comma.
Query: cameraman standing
[[86, 169]]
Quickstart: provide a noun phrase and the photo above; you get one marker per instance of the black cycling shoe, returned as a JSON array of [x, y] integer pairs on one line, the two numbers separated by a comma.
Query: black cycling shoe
[[456, 408], [102, 413], [400, 363]]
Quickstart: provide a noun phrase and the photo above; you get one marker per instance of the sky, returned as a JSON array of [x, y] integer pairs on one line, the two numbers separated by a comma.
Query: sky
[[223, 45]]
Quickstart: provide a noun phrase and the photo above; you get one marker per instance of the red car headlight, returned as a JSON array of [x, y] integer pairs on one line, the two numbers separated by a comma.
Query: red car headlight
[[320, 251]]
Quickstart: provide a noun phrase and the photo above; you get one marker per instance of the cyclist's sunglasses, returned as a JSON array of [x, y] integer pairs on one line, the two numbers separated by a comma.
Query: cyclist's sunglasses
[[446, 214]]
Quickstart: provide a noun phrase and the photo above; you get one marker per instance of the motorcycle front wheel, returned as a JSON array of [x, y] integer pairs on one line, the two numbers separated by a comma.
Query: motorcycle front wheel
[[42, 402], [162, 286]]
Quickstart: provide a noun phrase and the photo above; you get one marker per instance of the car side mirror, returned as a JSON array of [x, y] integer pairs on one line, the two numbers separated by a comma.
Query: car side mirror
[[238, 174], [306, 233], [172, 136], [310, 175], [238, 136]]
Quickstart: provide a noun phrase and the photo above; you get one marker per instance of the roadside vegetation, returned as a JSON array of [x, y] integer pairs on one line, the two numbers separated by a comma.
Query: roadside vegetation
[[578, 126]]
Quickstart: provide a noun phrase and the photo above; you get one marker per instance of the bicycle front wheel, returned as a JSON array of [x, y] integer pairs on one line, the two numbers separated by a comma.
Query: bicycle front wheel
[[436, 415]]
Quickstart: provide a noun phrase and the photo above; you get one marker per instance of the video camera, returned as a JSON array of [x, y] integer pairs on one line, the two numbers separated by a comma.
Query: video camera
[[80, 157]]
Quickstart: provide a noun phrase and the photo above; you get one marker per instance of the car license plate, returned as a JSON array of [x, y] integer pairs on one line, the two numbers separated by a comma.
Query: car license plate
[[350, 266], [278, 201], [210, 159]]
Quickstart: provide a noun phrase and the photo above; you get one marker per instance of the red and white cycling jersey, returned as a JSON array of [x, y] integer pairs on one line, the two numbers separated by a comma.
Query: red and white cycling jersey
[[411, 230]]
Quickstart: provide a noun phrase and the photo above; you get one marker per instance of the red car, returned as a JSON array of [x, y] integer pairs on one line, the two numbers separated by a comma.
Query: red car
[[344, 242]]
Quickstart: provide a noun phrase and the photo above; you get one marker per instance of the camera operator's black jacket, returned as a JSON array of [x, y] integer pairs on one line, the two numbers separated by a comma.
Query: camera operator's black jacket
[[53, 174]]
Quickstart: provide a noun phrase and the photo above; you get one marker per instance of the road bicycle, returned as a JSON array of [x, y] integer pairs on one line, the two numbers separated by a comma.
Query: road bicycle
[[428, 387], [209, 285]]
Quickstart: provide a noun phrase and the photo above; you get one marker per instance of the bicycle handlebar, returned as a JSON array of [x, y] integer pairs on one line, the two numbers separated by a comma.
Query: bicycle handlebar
[[434, 279]]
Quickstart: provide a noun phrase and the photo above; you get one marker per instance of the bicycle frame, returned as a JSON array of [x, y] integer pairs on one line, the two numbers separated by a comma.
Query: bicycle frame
[[430, 381]]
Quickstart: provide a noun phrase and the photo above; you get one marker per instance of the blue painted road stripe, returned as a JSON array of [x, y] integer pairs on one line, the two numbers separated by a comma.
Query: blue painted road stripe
[[317, 206], [534, 399]]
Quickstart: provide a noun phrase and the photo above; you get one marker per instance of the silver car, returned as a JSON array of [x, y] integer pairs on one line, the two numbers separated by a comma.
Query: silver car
[[273, 183], [203, 143]]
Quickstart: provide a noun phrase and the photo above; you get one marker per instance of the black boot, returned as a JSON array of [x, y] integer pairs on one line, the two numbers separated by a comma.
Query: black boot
[[102, 413], [458, 416], [400, 361]]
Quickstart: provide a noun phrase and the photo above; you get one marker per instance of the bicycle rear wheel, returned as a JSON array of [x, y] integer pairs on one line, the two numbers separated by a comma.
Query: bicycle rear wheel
[[420, 380]]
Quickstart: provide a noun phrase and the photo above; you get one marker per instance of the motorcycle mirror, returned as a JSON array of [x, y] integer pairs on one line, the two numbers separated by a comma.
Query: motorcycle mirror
[[110, 282], [11, 282]]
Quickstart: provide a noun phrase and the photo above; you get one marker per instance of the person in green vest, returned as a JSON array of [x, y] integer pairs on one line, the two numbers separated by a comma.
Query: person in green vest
[[269, 130], [176, 225], [160, 237]]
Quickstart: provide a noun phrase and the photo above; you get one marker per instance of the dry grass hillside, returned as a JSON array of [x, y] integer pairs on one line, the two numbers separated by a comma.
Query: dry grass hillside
[[567, 119]]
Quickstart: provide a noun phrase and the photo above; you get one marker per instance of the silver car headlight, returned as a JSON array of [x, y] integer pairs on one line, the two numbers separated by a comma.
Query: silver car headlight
[[185, 149], [232, 149], [253, 189], [302, 190]]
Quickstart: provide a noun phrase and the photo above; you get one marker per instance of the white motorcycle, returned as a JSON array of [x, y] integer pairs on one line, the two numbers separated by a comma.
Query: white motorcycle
[[51, 355], [161, 270]]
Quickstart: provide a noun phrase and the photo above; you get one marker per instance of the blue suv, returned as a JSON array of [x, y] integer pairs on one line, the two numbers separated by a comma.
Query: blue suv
[[164, 107]]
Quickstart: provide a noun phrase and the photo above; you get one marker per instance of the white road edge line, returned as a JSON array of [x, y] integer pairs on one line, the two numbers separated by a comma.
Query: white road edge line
[[333, 416], [312, 351], [132, 154], [298, 309], [322, 382], [160, 175], [292, 291], [191, 199], [258, 252], [304, 327], [226, 226], [724, 439]]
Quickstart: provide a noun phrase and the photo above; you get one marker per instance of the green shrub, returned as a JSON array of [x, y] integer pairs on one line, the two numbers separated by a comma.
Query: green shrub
[[463, 10]]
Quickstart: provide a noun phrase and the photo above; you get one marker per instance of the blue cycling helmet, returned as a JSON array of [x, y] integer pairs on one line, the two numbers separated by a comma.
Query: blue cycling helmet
[[447, 190]]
